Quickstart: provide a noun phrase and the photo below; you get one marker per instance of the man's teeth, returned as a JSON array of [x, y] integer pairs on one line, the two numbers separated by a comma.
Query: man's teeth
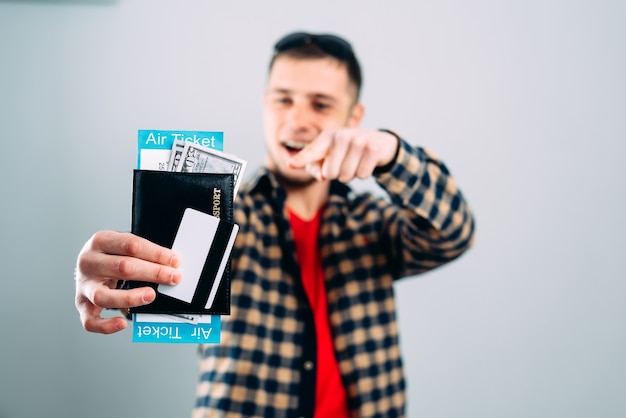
[[295, 145]]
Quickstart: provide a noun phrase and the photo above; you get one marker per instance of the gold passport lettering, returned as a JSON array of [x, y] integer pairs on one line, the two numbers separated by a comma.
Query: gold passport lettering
[[217, 200]]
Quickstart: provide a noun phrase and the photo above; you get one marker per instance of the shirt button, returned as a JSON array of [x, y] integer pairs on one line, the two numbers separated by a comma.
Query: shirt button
[[308, 365]]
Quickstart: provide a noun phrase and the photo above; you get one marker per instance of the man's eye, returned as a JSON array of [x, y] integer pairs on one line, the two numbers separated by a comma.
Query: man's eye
[[321, 106], [283, 100]]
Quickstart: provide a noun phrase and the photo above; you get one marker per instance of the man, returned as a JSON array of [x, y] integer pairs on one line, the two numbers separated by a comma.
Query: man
[[312, 330]]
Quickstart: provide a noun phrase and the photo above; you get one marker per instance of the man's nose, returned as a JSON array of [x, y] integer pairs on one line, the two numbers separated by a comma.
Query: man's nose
[[300, 118]]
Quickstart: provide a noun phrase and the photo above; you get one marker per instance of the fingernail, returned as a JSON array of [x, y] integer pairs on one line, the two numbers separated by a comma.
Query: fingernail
[[120, 325], [176, 276], [315, 172], [175, 260], [148, 296]]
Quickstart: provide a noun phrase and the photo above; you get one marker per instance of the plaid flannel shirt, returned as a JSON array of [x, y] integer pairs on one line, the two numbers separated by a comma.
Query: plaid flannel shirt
[[264, 365]]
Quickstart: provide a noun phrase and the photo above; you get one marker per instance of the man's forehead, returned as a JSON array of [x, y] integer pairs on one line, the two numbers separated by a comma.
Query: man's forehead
[[310, 76]]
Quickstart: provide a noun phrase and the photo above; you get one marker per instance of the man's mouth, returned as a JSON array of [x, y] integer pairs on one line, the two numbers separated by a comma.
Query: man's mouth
[[293, 147]]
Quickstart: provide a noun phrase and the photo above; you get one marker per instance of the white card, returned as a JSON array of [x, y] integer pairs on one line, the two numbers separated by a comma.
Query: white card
[[193, 241]]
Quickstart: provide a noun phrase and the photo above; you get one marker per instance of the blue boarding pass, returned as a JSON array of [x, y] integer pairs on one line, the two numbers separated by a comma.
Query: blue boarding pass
[[154, 147], [172, 329]]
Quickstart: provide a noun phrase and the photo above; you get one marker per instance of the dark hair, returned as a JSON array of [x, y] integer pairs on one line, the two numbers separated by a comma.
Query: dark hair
[[302, 45]]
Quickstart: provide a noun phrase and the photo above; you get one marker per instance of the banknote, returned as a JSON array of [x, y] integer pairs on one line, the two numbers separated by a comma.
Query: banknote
[[177, 150], [198, 159]]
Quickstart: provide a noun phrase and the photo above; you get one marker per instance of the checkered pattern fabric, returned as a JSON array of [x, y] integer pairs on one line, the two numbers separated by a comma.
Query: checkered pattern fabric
[[258, 369]]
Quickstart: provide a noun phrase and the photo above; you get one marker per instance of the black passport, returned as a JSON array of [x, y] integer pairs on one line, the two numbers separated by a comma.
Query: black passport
[[191, 213]]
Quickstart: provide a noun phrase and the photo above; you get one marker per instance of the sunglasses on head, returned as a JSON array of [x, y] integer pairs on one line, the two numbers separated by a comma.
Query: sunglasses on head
[[331, 44]]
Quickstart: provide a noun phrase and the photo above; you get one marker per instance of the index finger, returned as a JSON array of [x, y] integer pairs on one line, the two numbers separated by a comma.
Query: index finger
[[128, 244], [315, 151]]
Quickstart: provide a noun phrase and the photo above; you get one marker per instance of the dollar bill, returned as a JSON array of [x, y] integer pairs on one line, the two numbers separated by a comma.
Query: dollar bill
[[198, 159], [177, 150]]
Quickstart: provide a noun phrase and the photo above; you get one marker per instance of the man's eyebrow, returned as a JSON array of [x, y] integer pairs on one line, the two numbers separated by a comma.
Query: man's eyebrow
[[316, 96], [322, 96], [280, 91]]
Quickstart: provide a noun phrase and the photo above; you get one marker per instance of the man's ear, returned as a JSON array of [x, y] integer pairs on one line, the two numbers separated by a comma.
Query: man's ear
[[356, 115]]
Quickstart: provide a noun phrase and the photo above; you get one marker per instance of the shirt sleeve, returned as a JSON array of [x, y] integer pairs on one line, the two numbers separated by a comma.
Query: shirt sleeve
[[429, 222]]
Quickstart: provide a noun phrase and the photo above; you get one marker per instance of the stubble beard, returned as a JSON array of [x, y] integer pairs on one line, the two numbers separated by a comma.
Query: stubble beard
[[293, 181], [297, 179]]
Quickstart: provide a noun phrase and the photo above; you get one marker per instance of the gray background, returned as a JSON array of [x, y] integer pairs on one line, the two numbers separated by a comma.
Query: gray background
[[524, 100]]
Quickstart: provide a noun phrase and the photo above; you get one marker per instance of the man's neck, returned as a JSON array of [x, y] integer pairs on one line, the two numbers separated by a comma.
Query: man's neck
[[305, 201]]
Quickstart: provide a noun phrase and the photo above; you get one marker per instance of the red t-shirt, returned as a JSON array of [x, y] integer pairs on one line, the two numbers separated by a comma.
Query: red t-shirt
[[330, 395]]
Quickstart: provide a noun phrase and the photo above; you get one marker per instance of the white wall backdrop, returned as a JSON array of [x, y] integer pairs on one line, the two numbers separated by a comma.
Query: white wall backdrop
[[524, 100]]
